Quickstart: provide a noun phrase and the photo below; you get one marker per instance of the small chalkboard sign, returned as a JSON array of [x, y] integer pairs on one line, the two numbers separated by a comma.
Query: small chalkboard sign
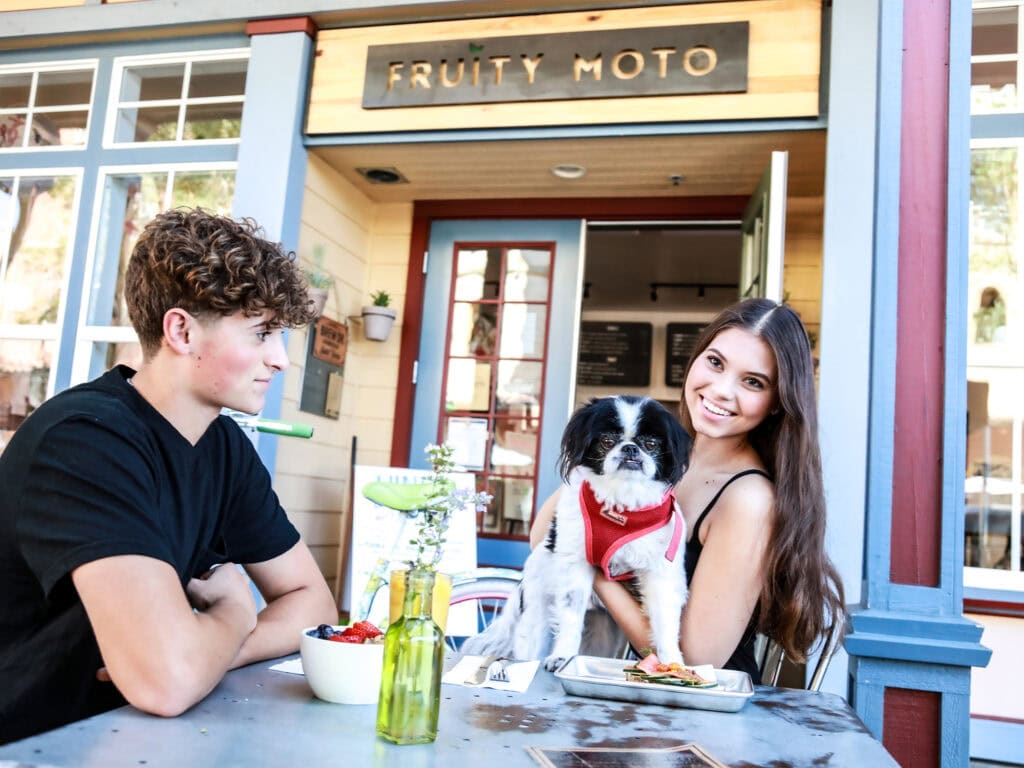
[[614, 354], [680, 339]]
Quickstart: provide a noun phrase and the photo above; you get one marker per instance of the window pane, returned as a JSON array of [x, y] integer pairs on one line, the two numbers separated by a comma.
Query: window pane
[[213, 190], [993, 86], [15, 90], [994, 31], [513, 503], [40, 230], [105, 355], [24, 372], [213, 121], [469, 386], [58, 89], [147, 124], [519, 386], [473, 327], [526, 275], [149, 83], [217, 78], [131, 202], [477, 272], [12, 130], [523, 328], [59, 128]]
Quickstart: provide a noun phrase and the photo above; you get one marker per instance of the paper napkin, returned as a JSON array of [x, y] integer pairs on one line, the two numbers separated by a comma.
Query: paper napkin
[[520, 674], [291, 666]]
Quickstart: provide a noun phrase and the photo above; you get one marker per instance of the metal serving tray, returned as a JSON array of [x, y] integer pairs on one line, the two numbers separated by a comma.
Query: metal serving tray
[[604, 679]]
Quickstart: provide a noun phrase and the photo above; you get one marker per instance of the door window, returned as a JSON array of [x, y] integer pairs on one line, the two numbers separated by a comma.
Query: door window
[[494, 374]]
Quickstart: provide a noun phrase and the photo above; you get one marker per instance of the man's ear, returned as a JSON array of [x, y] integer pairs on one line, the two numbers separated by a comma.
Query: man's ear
[[179, 330]]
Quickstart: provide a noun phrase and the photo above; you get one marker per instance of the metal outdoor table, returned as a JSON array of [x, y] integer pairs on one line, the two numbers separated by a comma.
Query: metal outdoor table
[[259, 717]]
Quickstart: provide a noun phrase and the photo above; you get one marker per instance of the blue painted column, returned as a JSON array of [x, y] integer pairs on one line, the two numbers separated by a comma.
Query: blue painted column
[[271, 157], [911, 649]]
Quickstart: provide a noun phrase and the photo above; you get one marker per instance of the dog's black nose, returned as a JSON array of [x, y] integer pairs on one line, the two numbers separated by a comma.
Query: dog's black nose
[[630, 451]]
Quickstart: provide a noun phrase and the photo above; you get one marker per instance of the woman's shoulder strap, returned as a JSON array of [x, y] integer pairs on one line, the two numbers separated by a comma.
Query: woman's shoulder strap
[[714, 500]]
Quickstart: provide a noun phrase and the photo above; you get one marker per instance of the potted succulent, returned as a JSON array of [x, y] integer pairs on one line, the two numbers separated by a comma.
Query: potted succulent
[[318, 281], [378, 317]]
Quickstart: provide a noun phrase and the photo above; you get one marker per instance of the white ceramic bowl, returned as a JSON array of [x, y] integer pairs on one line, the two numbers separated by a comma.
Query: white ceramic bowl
[[343, 673]]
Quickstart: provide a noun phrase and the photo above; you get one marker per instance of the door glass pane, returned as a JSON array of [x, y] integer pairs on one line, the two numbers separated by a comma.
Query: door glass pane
[[519, 385], [469, 386], [212, 190], [15, 89], [217, 78], [515, 447], [24, 372], [523, 329], [473, 330], [995, 364], [476, 273], [512, 505], [527, 275], [58, 89], [37, 220]]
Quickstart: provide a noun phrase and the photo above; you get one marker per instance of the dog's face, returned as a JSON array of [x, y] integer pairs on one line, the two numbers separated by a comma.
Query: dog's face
[[634, 438]]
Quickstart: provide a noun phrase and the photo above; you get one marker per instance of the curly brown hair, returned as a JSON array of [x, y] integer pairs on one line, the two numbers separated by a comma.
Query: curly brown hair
[[210, 266], [802, 596]]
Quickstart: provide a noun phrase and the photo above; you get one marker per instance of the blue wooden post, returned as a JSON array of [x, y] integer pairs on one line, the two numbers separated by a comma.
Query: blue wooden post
[[271, 155], [912, 650]]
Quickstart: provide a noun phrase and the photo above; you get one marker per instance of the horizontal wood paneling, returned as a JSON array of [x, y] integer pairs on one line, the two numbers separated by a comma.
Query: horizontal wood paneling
[[784, 64]]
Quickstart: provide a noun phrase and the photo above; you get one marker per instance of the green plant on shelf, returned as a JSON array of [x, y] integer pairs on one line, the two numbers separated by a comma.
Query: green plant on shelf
[[380, 298]]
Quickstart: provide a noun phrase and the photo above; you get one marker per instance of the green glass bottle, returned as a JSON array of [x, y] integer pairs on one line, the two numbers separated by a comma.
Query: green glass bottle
[[410, 683]]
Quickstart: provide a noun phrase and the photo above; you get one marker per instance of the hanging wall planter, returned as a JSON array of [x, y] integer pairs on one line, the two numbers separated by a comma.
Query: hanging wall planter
[[319, 298], [378, 317]]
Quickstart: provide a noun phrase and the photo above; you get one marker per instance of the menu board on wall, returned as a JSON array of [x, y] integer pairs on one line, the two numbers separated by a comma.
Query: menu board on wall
[[614, 354], [680, 339]]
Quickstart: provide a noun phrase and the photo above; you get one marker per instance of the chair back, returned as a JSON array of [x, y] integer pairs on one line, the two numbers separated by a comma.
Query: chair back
[[769, 655]]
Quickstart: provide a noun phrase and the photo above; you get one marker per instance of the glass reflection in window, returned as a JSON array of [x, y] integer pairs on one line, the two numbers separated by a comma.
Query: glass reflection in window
[[523, 330], [527, 275], [476, 273], [994, 60], [24, 376], [36, 225]]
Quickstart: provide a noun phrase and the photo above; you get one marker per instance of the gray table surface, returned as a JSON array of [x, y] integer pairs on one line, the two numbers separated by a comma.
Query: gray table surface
[[257, 717]]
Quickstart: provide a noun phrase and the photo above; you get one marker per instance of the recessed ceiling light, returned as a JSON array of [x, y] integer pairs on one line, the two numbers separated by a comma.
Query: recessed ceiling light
[[569, 171], [383, 175]]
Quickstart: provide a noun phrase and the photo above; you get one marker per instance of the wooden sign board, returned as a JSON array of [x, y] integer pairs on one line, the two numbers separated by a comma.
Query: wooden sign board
[[330, 341], [783, 68], [695, 58]]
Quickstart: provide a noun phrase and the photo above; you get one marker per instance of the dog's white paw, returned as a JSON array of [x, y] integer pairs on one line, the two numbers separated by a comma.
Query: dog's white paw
[[553, 663]]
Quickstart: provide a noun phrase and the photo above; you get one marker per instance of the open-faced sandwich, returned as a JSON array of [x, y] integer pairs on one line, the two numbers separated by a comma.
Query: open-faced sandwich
[[651, 670]]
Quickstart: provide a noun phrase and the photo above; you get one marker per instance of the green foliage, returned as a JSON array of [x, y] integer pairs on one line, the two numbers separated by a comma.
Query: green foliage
[[380, 298], [317, 276], [444, 501]]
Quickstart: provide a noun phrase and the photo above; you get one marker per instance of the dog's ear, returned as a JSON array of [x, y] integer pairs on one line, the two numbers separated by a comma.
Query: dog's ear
[[576, 438], [678, 442]]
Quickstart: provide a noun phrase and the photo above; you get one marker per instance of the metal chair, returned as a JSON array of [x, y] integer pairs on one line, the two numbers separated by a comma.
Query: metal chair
[[770, 656]]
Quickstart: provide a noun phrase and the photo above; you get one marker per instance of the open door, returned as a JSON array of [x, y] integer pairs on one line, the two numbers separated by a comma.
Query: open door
[[764, 233], [497, 363]]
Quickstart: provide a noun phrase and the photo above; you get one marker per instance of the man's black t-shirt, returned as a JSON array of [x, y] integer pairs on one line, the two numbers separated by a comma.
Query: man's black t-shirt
[[96, 472]]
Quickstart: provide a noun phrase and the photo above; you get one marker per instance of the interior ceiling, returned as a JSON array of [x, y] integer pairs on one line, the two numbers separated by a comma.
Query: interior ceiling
[[710, 164]]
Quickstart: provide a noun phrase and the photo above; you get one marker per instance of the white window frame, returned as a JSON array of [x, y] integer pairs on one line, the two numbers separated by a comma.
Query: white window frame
[[35, 70], [182, 102], [86, 335], [49, 332]]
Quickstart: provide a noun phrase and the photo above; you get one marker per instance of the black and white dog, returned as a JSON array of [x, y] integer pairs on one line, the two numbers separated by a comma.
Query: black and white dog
[[621, 458]]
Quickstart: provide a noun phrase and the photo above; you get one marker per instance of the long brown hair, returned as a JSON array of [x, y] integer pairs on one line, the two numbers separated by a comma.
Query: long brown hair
[[802, 595]]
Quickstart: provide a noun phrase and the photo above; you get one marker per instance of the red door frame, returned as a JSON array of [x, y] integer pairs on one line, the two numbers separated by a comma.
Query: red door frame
[[593, 209]]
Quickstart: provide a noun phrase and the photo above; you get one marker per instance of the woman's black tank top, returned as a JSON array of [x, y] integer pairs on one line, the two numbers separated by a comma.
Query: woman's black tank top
[[743, 657]]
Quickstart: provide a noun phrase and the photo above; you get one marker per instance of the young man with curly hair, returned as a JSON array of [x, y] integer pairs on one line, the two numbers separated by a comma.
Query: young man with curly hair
[[121, 496]]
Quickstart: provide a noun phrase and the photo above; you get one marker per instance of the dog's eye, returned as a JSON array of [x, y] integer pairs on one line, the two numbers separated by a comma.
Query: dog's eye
[[607, 442], [649, 444]]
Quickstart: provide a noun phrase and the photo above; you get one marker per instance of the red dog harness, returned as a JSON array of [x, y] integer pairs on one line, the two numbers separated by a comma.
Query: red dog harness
[[608, 530]]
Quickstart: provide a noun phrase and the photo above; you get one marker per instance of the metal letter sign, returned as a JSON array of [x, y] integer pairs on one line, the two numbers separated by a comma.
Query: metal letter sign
[[693, 59]]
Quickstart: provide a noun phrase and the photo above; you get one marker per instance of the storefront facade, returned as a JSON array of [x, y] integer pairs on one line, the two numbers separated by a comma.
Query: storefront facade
[[415, 150]]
